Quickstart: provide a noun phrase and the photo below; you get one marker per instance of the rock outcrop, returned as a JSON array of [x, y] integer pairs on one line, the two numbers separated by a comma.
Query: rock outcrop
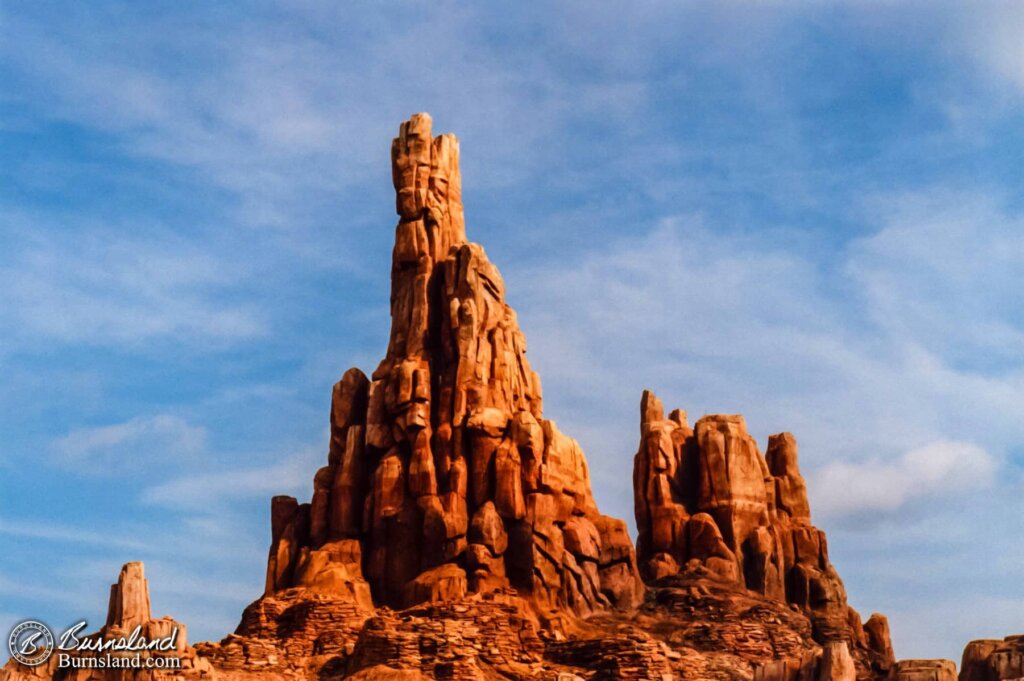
[[832, 663], [993, 660], [443, 477], [705, 497], [128, 619], [452, 532], [925, 670], [129, 609]]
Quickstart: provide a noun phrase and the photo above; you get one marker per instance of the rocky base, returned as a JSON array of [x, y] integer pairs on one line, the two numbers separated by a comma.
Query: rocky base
[[993, 660], [692, 625]]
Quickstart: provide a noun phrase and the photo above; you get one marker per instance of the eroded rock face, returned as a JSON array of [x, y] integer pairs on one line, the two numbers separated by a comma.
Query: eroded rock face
[[925, 670], [993, 659], [129, 599], [832, 663], [443, 477], [705, 496], [129, 609]]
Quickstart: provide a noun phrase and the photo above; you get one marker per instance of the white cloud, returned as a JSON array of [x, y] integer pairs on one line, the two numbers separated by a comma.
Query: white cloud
[[726, 322], [97, 287], [276, 114], [989, 32], [278, 111], [212, 489], [64, 534], [145, 441], [944, 469], [941, 258]]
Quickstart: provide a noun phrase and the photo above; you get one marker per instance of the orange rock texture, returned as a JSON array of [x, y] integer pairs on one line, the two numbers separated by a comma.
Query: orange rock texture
[[925, 670], [705, 496], [452, 533], [993, 659], [443, 476]]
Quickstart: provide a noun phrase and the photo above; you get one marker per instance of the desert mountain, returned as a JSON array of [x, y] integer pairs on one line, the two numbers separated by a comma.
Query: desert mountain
[[452, 532]]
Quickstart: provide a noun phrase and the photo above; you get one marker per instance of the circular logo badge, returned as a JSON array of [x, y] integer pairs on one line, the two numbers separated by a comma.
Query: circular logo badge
[[31, 643]]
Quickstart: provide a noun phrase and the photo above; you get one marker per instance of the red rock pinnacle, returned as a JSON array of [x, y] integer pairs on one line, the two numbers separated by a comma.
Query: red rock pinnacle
[[443, 476], [129, 599], [705, 497], [129, 608]]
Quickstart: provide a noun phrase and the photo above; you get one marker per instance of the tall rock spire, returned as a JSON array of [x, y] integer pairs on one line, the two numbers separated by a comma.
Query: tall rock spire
[[443, 474]]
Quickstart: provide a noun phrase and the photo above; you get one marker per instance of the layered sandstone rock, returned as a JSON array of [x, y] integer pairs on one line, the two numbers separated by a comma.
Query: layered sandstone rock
[[705, 496], [446, 491], [443, 476], [925, 670], [993, 660], [832, 663]]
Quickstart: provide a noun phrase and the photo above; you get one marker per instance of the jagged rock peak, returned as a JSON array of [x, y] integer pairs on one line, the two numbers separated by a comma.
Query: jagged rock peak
[[706, 498], [443, 476]]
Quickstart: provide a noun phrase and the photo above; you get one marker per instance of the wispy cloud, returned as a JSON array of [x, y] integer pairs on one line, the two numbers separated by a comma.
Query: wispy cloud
[[120, 447], [737, 322], [94, 286], [989, 33], [14, 587], [672, 208], [212, 489], [940, 470], [283, 111], [56, 532], [943, 256]]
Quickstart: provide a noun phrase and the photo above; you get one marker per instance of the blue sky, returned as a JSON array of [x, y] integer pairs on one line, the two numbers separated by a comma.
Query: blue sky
[[810, 213]]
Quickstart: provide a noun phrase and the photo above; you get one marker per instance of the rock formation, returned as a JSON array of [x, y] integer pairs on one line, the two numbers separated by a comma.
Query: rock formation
[[705, 496], [993, 660], [452, 533], [925, 670], [128, 618], [443, 477], [129, 608]]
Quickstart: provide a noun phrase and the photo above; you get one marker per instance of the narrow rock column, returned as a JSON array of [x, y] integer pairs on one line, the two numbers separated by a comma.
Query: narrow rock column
[[129, 599]]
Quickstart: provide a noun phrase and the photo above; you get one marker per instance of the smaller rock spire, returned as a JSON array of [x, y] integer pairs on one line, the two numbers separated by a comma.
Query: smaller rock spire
[[706, 499], [129, 599]]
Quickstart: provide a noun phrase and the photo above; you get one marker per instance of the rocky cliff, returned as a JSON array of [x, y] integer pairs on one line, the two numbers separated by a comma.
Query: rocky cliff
[[452, 532], [706, 497], [443, 476], [993, 660]]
